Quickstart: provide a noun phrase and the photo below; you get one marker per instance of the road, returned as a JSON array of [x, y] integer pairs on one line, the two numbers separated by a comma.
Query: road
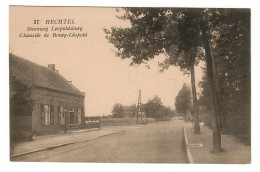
[[155, 143]]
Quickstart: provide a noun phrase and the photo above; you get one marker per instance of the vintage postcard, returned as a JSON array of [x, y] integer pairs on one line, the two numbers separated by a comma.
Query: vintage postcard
[[130, 85]]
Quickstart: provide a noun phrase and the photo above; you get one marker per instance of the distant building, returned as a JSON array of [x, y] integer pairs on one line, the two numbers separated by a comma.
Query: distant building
[[56, 104], [129, 111]]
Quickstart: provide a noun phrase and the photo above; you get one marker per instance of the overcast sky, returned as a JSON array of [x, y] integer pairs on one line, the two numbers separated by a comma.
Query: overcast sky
[[90, 62]]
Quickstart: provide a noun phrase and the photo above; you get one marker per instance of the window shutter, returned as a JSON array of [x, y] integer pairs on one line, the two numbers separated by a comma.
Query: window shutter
[[42, 115], [52, 115], [66, 115], [82, 116], [59, 115], [77, 116]]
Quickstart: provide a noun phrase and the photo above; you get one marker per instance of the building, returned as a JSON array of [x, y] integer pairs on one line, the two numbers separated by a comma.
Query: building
[[42, 101], [129, 111]]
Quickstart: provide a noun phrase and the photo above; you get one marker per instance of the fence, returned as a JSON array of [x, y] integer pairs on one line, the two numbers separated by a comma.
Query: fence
[[92, 122]]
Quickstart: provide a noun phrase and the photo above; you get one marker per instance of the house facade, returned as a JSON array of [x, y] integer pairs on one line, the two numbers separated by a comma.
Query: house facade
[[55, 111], [129, 111], [57, 105]]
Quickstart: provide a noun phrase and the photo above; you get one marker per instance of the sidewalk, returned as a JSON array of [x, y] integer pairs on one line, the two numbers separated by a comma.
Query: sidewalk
[[41, 143], [199, 147]]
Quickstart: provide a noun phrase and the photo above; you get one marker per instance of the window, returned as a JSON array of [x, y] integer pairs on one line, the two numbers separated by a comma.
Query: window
[[47, 114], [72, 116], [62, 115], [79, 115]]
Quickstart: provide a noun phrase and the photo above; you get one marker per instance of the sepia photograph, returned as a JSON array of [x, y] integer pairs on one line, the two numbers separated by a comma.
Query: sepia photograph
[[166, 85]]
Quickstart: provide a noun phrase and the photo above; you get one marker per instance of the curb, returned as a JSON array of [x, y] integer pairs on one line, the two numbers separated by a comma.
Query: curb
[[64, 144], [189, 155], [82, 131]]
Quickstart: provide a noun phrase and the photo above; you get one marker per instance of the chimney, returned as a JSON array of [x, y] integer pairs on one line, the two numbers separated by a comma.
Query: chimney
[[51, 66]]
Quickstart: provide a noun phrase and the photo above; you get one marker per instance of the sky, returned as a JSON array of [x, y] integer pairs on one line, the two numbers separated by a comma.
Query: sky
[[90, 63]]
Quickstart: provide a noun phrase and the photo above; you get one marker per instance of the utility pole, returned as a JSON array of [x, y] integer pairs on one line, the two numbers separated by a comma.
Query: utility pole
[[139, 106]]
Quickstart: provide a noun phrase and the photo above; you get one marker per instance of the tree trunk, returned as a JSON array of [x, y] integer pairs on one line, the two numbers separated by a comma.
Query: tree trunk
[[195, 102], [212, 81], [215, 74]]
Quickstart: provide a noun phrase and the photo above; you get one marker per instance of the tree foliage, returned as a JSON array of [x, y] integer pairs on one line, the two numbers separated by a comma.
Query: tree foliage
[[21, 102], [21, 105], [183, 100], [154, 108], [165, 113], [187, 36], [117, 111], [157, 30], [231, 48], [146, 36], [174, 32]]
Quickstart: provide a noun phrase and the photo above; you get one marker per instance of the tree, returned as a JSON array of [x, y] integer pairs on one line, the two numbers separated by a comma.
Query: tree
[[155, 30], [206, 95], [21, 104], [117, 111], [164, 114], [230, 44], [183, 100], [187, 53], [152, 107]]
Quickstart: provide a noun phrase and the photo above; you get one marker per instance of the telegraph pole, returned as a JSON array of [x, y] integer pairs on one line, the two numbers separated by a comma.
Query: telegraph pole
[[139, 106]]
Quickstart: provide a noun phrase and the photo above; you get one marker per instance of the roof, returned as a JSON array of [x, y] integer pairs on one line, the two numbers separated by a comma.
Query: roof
[[41, 76], [129, 108]]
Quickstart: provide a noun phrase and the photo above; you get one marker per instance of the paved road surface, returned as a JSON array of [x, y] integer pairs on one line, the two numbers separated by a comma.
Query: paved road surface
[[156, 143]]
